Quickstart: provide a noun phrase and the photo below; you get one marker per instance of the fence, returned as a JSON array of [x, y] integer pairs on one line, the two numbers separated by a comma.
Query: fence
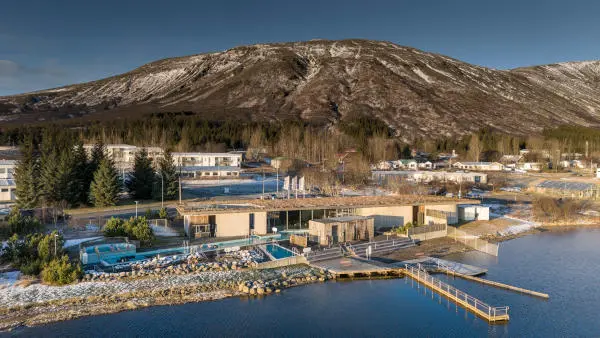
[[473, 241], [482, 309], [426, 232], [282, 262]]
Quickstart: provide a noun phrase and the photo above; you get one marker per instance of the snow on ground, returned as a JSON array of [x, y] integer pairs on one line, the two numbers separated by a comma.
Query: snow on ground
[[522, 226], [18, 295], [422, 75], [73, 242]]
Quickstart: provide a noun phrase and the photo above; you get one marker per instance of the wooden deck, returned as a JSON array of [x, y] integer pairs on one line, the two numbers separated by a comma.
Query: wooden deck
[[491, 314], [353, 267]]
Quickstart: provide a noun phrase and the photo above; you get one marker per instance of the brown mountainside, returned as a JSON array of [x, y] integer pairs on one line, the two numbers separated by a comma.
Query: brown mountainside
[[415, 92]]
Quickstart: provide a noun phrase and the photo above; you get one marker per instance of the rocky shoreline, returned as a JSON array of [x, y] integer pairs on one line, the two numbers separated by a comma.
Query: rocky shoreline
[[115, 292]]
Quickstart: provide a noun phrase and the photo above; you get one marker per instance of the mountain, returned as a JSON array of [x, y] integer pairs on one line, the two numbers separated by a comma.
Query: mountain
[[419, 94]]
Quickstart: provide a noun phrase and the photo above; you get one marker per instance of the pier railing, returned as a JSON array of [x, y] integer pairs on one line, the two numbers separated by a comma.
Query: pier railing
[[492, 314]]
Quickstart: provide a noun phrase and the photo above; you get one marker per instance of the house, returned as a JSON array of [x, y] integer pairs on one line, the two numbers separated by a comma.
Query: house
[[425, 165], [484, 166], [578, 164], [531, 166], [384, 165], [7, 181], [510, 161], [408, 164], [564, 164]]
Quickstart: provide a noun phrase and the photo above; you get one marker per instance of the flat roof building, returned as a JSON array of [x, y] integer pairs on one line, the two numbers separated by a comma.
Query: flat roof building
[[330, 231], [246, 217]]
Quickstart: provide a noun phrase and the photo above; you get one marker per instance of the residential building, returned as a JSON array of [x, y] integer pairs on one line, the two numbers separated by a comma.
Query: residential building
[[531, 166], [202, 172], [207, 159], [425, 165], [407, 164], [7, 181], [428, 176], [484, 166], [124, 157]]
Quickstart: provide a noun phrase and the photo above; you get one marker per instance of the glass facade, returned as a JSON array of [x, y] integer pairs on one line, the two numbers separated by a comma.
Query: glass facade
[[298, 219]]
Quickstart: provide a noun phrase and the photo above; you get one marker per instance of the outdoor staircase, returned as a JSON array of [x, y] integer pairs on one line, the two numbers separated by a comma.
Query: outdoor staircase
[[381, 247]]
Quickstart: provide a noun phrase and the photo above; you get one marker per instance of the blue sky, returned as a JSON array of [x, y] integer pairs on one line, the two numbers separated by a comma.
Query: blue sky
[[46, 43]]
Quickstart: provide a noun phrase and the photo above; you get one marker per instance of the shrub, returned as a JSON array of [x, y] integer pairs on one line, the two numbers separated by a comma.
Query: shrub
[[162, 213], [32, 268], [49, 245], [115, 227], [19, 224], [134, 228], [551, 209], [138, 228], [60, 271], [149, 214]]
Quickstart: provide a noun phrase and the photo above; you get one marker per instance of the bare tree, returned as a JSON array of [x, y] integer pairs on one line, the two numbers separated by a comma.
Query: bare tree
[[475, 148]]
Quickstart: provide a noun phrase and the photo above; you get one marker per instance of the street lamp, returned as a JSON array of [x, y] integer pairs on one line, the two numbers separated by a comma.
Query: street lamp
[[136, 209], [55, 236]]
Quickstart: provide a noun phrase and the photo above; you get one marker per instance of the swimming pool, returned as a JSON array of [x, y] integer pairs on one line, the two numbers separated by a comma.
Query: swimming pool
[[278, 252]]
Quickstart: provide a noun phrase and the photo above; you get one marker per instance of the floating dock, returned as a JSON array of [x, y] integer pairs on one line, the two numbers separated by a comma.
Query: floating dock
[[502, 285], [435, 264]]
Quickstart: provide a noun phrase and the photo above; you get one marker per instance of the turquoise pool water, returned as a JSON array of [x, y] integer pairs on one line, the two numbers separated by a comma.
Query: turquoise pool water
[[278, 252], [105, 248]]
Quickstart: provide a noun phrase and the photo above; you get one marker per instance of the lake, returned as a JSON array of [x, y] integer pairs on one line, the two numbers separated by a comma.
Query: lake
[[564, 265]]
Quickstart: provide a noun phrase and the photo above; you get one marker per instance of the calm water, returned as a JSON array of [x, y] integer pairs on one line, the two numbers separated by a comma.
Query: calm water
[[564, 265]]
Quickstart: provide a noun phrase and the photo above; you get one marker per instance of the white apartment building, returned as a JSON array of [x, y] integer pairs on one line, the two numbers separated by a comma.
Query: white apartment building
[[207, 159], [124, 157], [7, 181]]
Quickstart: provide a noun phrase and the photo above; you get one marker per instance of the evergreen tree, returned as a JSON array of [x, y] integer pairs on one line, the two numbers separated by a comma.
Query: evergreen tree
[[27, 176], [167, 178], [81, 185], [141, 181], [49, 180], [97, 156], [67, 183], [104, 190]]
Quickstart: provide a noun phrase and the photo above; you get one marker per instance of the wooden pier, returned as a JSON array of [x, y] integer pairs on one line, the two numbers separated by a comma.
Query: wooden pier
[[491, 314], [500, 285]]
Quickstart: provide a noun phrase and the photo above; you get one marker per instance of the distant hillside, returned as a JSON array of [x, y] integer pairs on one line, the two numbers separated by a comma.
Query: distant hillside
[[416, 93]]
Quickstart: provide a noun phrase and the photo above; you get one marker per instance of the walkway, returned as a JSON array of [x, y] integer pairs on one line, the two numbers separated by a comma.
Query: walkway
[[491, 314]]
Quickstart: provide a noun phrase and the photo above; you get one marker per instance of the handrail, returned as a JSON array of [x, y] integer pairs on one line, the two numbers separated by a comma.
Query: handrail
[[490, 313]]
